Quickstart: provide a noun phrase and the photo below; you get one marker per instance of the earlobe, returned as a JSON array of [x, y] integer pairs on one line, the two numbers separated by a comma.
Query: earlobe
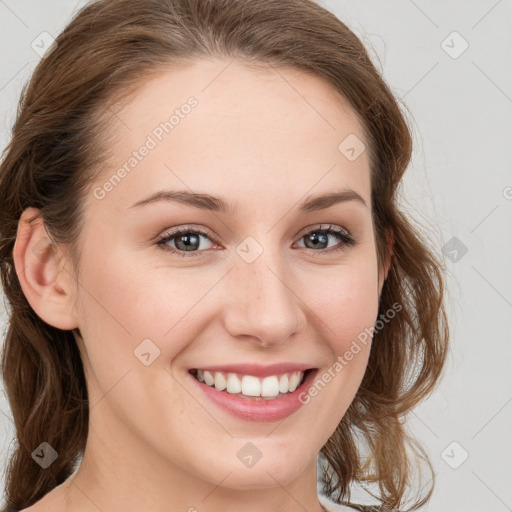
[[46, 285]]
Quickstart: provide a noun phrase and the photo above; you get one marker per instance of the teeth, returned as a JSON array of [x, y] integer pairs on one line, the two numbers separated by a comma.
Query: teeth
[[234, 385], [249, 385], [270, 386], [294, 381], [208, 378], [220, 381], [283, 384]]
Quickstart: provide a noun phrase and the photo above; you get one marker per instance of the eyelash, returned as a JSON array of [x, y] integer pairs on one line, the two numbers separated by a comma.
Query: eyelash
[[342, 235]]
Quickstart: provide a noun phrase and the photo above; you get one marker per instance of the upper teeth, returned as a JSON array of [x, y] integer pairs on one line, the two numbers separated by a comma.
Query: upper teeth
[[250, 385]]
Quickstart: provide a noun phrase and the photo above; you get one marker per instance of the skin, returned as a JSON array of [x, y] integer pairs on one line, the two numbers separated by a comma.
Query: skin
[[262, 140]]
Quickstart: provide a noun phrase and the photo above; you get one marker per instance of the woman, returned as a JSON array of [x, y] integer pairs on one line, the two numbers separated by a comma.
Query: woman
[[209, 277]]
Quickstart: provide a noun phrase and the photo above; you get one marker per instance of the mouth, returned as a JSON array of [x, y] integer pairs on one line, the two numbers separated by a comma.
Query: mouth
[[252, 387]]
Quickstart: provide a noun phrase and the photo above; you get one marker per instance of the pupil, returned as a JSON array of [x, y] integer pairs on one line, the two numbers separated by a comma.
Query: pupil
[[188, 245], [318, 238]]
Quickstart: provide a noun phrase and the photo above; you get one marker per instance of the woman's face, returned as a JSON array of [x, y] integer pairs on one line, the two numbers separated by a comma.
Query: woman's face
[[260, 283]]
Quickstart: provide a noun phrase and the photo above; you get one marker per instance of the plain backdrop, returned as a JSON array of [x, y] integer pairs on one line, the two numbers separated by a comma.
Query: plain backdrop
[[449, 63]]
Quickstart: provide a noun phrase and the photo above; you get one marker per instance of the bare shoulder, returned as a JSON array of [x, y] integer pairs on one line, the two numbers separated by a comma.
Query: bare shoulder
[[51, 502]]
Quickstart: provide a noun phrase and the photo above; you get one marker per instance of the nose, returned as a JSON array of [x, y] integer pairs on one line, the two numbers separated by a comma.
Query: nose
[[261, 302]]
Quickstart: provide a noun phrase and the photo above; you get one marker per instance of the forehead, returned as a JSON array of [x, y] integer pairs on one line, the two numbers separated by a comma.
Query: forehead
[[245, 132]]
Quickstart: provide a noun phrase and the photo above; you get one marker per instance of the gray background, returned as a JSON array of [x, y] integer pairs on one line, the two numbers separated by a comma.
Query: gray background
[[458, 185]]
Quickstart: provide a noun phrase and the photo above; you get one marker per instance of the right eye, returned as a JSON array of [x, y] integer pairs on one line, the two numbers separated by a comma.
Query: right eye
[[186, 241]]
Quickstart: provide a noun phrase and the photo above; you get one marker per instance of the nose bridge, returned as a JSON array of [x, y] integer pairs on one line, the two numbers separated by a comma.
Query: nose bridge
[[262, 303]]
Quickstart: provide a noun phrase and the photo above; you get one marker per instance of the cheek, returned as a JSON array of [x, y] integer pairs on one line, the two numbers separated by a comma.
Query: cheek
[[344, 299], [354, 312], [346, 304], [127, 301]]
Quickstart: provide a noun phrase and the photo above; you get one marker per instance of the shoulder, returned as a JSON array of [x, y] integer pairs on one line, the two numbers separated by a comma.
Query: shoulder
[[51, 502], [36, 507], [39, 506]]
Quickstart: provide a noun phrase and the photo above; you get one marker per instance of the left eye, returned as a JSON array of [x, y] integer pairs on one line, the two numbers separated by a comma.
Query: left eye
[[321, 236]]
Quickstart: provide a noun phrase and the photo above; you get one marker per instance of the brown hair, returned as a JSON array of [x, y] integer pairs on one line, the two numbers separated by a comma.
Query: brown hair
[[104, 54]]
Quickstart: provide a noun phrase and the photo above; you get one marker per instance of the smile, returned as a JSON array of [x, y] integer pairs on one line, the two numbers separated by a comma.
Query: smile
[[251, 398], [271, 387]]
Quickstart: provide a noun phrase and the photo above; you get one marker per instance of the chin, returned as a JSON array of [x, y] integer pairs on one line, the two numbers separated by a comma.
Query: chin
[[268, 472]]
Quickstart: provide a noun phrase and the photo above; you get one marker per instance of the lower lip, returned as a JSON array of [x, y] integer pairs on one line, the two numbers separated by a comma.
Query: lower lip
[[257, 410]]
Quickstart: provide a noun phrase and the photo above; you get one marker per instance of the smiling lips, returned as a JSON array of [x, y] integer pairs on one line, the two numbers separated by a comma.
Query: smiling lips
[[253, 392], [251, 385], [253, 380]]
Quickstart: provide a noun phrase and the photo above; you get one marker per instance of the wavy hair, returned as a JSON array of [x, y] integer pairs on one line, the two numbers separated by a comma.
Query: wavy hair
[[105, 54]]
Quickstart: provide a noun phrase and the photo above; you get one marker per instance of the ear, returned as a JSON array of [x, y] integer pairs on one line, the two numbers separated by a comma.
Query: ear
[[386, 265], [47, 285]]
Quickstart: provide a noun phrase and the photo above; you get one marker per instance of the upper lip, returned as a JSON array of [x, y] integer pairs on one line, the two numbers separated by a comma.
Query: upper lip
[[256, 369]]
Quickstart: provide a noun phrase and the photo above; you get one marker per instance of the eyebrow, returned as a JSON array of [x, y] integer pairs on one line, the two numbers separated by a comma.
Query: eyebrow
[[216, 204]]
